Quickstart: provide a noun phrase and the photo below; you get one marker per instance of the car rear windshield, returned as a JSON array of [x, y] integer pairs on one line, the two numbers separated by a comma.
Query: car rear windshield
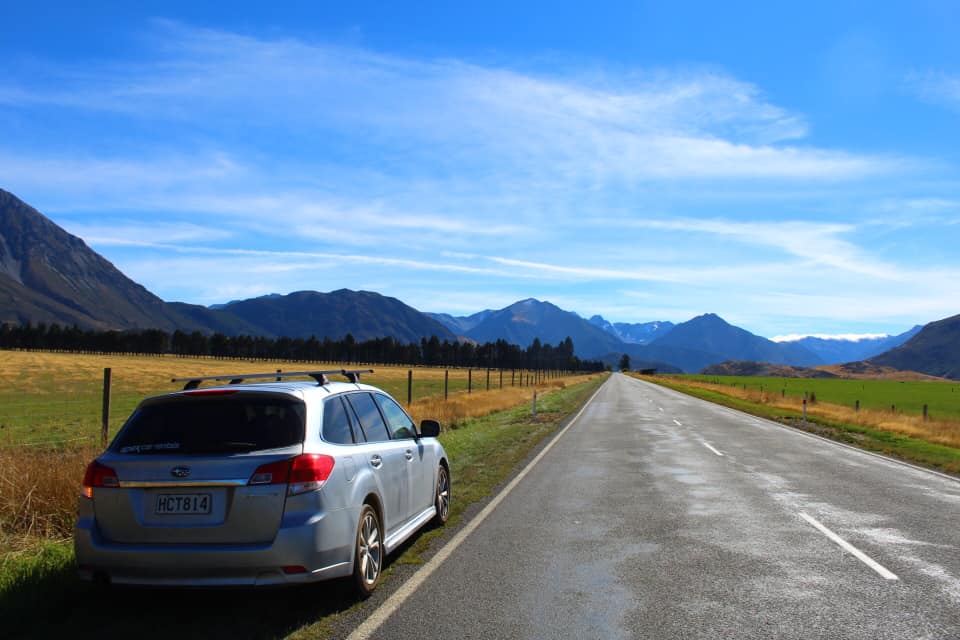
[[218, 424]]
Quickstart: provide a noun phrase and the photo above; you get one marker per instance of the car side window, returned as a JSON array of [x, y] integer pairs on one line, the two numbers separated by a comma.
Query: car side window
[[397, 419], [369, 416], [336, 423]]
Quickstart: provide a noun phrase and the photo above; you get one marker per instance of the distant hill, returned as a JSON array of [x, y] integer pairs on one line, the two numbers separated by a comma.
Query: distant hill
[[214, 319], [460, 325], [709, 339], [218, 307], [635, 333], [850, 370], [765, 370], [363, 314], [638, 363], [935, 351], [48, 275], [836, 350], [523, 321], [869, 371]]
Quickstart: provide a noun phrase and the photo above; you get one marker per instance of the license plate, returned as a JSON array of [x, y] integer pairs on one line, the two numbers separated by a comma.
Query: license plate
[[184, 503]]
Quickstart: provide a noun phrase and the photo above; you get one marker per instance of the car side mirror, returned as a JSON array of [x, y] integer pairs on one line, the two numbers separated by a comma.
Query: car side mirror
[[429, 428]]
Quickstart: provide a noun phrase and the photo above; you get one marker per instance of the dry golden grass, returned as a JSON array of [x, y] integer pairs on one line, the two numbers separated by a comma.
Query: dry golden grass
[[56, 397], [938, 431], [49, 373], [463, 406], [38, 493]]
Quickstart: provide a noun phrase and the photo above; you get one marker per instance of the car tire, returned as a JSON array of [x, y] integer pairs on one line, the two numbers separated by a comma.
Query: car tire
[[441, 498], [368, 552]]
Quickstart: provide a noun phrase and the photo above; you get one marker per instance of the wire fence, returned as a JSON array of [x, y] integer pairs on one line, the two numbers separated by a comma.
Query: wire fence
[[47, 410]]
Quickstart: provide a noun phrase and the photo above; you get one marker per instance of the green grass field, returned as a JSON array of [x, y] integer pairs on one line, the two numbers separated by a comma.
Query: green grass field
[[941, 398]]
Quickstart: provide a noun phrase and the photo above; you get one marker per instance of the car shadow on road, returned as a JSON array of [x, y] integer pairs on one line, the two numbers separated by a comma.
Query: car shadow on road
[[80, 610]]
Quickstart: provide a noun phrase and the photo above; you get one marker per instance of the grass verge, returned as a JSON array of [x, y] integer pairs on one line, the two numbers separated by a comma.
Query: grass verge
[[897, 445], [40, 595]]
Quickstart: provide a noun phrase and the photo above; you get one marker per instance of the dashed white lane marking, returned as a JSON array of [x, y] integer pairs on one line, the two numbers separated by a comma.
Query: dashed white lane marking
[[677, 422], [846, 546], [661, 409], [707, 445], [770, 424], [396, 600]]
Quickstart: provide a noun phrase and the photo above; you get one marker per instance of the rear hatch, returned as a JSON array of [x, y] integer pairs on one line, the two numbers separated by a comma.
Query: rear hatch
[[191, 469]]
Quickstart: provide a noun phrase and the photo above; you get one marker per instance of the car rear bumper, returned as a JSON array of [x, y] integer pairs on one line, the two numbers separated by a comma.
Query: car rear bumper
[[322, 545]]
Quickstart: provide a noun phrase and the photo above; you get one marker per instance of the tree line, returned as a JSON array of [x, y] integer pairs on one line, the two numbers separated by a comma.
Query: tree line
[[429, 351]]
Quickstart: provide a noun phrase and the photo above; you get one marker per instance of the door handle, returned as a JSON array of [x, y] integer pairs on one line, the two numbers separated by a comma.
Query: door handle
[[376, 461], [409, 453]]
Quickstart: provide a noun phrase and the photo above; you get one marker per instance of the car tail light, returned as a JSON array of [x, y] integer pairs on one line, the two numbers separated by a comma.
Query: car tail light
[[304, 473], [98, 476], [272, 473], [309, 472]]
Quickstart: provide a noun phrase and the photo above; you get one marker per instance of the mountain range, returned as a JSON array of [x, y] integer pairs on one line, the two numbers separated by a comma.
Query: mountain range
[[48, 275], [934, 350], [633, 333], [838, 350]]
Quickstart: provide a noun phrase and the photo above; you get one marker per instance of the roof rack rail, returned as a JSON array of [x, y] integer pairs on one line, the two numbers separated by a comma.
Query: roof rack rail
[[353, 375]]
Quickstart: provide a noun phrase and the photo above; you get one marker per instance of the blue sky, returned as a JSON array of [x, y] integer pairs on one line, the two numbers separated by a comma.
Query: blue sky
[[793, 168]]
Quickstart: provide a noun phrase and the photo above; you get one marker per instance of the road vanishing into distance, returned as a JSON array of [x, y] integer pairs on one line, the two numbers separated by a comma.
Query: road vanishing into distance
[[657, 515]]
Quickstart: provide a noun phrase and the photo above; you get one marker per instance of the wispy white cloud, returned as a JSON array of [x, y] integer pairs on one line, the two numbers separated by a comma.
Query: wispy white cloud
[[123, 175], [641, 126], [306, 257], [133, 233], [936, 86], [849, 337], [905, 213], [210, 275], [817, 243], [271, 164]]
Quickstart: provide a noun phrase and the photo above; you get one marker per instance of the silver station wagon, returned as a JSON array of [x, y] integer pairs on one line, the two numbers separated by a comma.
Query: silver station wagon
[[270, 483]]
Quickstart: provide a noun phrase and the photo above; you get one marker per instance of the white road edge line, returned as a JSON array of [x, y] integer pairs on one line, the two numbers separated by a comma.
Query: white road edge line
[[396, 600], [864, 558], [707, 445]]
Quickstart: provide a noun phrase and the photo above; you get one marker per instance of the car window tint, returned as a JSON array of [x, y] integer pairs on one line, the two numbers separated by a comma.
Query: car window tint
[[369, 416], [401, 426], [336, 424], [215, 424]]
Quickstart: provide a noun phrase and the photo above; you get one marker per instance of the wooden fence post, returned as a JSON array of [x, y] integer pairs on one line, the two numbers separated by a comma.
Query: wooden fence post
[[409, 387], [105, 425], [469, 380], [446, 384]]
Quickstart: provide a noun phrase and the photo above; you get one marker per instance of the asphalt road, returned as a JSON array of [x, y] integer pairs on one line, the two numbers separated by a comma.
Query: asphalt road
[[657, 515]]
